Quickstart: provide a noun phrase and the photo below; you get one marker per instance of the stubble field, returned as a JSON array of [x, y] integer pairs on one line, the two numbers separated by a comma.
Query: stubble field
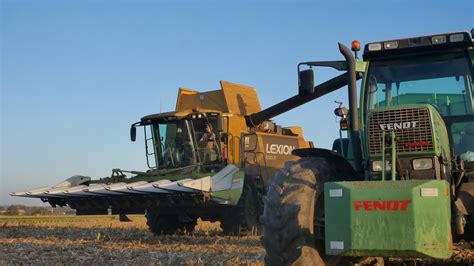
[[102, 240], [105, 240]]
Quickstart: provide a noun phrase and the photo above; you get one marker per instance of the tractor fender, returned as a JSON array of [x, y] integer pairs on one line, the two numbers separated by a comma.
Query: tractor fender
[[333, 159], [465, 199]]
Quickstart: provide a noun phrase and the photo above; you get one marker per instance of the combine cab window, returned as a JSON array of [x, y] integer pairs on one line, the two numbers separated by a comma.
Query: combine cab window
[[174, 144], [184, 142]]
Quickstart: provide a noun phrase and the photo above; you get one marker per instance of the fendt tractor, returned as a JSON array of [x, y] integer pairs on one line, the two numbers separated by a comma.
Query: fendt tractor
[[401, 184], [206, 159]]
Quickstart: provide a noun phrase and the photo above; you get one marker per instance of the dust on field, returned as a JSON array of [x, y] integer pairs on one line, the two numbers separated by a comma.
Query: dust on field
[[105, 240]]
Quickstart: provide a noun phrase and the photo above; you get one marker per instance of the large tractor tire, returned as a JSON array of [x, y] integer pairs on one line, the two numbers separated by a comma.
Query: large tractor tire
[[293, 209], [168, 224], [244, 219]]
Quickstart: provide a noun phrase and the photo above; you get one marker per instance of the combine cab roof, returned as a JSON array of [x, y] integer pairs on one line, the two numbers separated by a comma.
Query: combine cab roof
[[169, 116], [159, 116]]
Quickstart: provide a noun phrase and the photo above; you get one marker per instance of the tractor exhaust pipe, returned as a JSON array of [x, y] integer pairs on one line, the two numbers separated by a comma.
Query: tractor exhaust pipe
[[353, 111], [297, 100]]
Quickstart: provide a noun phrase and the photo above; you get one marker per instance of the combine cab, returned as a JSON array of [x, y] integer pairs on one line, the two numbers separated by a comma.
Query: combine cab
[[205, 160]]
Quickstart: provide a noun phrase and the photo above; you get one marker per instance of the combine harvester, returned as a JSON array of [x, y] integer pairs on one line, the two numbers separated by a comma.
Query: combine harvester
[[206, 159], [402, 183]]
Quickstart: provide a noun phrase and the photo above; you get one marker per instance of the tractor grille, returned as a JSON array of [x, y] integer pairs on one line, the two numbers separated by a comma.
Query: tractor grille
[[409, 139]]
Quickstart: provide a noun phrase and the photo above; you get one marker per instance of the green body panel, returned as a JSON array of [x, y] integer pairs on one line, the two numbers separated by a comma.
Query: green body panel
[[388, 218], [232, 194], [361, 66]]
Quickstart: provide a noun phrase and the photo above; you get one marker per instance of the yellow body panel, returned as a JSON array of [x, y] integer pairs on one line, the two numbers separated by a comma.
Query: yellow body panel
[[231, 98]]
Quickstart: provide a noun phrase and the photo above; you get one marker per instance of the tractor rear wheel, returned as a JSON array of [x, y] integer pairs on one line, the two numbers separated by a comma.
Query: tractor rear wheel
[[293, 209], [168, 224]]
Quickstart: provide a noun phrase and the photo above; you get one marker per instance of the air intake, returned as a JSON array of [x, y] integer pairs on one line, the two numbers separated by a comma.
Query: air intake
[[412, 126]]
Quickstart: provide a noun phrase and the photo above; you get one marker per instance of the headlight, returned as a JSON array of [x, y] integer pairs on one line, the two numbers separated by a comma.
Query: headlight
[[391, 45], [422, 164], [438, 39], [377, 166]]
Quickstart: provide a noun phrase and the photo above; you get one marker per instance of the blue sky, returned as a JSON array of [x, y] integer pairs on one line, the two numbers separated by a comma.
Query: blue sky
[[76, 74]]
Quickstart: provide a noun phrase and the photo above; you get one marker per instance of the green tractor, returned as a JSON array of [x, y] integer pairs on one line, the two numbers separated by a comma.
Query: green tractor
[[402, 183]]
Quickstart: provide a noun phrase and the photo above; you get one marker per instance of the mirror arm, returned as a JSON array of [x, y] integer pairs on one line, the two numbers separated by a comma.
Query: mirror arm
[[338, 65]]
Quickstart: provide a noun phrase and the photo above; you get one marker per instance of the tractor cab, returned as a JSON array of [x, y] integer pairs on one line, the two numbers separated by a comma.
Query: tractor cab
[[420, 91], [439, 78]]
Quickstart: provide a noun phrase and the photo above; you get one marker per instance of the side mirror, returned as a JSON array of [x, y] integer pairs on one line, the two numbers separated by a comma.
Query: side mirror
[[133, 133], [341, 112], [306, 82]]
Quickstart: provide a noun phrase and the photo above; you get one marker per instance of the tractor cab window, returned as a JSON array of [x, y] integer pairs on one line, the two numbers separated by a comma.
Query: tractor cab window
[[462, 134], [444, 83]]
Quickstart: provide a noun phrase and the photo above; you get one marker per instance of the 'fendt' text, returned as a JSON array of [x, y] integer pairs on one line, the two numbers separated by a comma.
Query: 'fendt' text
[[401, 125], [382, 205]]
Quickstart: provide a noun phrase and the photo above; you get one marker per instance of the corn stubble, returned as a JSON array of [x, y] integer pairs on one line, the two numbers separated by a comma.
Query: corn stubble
[[105, 240]]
